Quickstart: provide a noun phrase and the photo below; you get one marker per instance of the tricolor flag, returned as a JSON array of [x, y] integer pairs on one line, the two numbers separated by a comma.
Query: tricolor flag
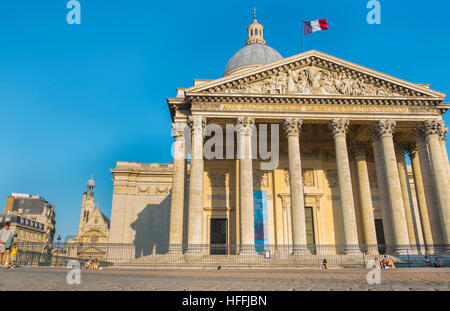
[[310, 27]]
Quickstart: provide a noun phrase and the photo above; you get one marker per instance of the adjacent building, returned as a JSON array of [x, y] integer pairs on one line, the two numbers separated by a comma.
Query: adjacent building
[[27, 229], [31, 210]]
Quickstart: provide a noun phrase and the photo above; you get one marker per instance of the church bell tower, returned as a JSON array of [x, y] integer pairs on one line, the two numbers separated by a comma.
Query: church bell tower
[[87, 205]]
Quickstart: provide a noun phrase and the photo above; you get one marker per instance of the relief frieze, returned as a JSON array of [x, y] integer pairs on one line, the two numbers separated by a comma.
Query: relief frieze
[[212, 106]]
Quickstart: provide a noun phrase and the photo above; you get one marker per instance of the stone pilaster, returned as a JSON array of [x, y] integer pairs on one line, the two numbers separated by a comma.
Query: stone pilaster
[[365, 198], [195, 214], [246, 218], [420, 194], [339, 129], [432, 129], [385, 130], [292, 127], [178, 182]]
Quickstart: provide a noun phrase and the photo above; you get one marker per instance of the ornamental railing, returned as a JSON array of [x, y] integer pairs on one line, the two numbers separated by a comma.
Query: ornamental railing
[[159, 255]]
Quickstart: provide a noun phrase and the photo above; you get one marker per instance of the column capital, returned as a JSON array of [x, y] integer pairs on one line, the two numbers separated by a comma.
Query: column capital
[[293, 126], [339, 127], [432, 127], [197, 124], [178, 130], [443, 135], [245, 125], [409, 148], [382, 128], [358, 150]]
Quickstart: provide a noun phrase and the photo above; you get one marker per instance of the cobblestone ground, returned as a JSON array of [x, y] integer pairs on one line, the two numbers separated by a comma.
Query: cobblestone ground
[[47, 278]]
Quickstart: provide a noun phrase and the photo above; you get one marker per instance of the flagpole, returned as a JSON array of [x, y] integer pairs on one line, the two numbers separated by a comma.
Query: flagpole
[[303, 36]]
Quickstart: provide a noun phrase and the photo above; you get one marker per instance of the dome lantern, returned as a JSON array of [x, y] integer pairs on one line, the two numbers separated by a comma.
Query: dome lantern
[[255, 52], [255, 31]]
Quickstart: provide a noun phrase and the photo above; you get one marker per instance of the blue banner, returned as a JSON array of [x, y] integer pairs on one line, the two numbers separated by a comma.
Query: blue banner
[[260, 219]]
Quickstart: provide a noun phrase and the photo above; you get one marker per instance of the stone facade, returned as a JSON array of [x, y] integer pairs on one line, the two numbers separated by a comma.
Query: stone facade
[[32, 209], [342, 177]]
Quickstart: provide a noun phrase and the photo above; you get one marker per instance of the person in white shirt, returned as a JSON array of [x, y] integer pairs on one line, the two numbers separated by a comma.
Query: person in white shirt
[[5, 234]]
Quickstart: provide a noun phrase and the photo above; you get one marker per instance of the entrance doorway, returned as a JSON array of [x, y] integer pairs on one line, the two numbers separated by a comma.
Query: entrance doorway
[[380, 236], [218, 236], [310, 238]]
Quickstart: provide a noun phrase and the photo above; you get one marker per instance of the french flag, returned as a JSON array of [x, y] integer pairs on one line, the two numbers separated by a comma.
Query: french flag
[[318, 25]]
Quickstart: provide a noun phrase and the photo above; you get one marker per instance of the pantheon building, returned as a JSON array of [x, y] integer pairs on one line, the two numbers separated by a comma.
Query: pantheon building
[[361, 161]]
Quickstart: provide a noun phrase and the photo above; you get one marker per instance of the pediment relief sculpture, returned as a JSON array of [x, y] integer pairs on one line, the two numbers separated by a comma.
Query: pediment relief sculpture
[[311, 80]]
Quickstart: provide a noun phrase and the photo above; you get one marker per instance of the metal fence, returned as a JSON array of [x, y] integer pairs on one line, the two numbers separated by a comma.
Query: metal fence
[[231, 256]]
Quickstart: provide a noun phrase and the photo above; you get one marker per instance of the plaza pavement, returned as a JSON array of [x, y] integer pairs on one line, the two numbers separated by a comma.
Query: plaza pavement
[[54, 279]]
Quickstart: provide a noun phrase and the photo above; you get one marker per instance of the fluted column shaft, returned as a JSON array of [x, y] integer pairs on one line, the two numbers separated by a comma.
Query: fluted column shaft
[[443, 137], [382, 189], [365, 198], [421, 199], [247, 231], [385, 130], [430, 191], [404, 180], [178, 181], [197, 124], [432, 129], [293, 128], [339, 128]]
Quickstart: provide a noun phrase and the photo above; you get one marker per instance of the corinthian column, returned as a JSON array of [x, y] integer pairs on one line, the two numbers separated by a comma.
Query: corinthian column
[[404, 180], [385, 130], [443, 137], [339, 128], [382, 187], [365, 197], [432, 129], [197, 124], [429, 188], [420, 194], [292, 127], [247, 230], [178, 179]]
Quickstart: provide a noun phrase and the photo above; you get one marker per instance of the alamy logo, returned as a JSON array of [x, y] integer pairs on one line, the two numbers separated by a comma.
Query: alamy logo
[[374, 275], [374, 15], [74, 275], [74, 15]]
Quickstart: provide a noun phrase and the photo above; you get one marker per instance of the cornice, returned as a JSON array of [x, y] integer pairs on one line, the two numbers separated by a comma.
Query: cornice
[[319, 59], [310, 99]]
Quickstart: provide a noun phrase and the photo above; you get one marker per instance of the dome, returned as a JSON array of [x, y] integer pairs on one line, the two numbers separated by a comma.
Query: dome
[[255, 52], [252, 54]]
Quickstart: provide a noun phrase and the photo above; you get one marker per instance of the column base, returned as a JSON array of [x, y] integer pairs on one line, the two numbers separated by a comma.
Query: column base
[[352, 250], [301, 252], [194, 251], [247, 250], [175, 250], [403, 250]]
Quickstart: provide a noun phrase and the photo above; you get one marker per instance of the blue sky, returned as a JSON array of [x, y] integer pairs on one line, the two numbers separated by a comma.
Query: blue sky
[[76, 98]]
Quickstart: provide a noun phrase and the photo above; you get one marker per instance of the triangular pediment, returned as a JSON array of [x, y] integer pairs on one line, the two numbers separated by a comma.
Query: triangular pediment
[[315, 74]]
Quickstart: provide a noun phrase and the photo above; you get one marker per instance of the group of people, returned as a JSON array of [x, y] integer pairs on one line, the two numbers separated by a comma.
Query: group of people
[[436, 263], [92, 264], [7, 246], [385, 263]]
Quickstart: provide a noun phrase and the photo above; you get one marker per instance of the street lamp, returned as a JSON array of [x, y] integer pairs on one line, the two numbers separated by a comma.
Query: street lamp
[[57, 249]]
